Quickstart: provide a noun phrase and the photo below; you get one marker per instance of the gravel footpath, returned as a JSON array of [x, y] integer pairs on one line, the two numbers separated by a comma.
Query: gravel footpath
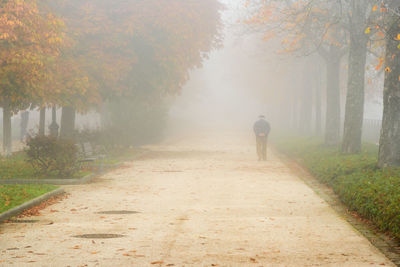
[[202, 201]]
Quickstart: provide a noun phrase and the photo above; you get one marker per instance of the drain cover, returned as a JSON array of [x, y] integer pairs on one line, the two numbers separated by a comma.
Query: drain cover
[[23, 221], [98, 236], [118, 212]]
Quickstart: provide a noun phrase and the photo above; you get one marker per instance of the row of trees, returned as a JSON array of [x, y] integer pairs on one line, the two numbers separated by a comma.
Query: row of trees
[[81, 54], [332, 30]]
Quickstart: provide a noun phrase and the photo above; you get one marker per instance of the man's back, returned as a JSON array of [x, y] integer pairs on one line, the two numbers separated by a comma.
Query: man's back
[[261, 127]]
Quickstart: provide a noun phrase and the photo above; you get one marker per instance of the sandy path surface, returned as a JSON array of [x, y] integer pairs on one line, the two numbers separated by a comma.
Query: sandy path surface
[[203, 201]]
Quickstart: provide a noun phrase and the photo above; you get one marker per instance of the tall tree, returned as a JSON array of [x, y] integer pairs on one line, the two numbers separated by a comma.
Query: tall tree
[[389, 145], [29, 40], [139, 49], [354, 113]]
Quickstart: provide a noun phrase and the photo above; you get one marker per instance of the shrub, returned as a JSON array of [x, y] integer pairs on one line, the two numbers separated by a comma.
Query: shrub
[[51, 156]]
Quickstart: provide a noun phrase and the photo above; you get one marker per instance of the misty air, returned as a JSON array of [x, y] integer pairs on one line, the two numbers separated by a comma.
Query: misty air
[[200, 133]]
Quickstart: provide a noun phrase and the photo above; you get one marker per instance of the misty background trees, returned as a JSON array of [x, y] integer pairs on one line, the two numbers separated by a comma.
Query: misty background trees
[[120, 58], [127, 62], [351, 37]]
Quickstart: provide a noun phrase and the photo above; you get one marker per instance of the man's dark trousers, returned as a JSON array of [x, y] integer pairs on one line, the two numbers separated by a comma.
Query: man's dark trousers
[[261, 147]]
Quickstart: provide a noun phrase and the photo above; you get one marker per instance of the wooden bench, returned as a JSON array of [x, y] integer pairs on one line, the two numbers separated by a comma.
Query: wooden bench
[[88, 154]]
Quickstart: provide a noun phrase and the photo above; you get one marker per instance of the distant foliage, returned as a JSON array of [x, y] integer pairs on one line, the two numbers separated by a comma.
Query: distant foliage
[[52, 156], [134, 122]]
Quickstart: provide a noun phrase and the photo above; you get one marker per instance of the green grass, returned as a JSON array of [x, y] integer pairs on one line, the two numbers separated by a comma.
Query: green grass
[[14, 195], [16, 167], [372, 192], [107, 161]]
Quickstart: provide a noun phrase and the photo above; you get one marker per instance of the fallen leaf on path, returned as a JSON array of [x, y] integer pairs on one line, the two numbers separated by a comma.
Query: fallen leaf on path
[[53, 210], [94, 252], [171, 264], [121, 249], [73, 210], [157, 262], [76, 247], [126, 254]]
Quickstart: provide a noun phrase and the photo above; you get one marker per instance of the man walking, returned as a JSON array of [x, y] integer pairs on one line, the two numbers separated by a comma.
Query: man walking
[[261, 129]]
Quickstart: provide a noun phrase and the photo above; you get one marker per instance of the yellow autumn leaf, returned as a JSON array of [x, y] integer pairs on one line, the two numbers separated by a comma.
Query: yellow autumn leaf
[[375, 8], [368, 30]]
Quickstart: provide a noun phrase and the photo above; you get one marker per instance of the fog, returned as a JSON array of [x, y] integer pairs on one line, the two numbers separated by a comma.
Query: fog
[[236, 83], [200, 132], [237, 73], [249, 76], [224, 93]]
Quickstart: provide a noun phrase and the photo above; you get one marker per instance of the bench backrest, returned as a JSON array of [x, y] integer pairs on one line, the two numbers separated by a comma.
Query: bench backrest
[[87, 149]]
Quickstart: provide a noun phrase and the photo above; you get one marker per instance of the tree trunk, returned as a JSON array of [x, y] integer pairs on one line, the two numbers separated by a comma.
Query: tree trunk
[[42, 121], [24, 125], [354, 112], [306, 108], [294, 111], [332, 124], [389, 145], [318, 107], [7, 137], [67, 123]]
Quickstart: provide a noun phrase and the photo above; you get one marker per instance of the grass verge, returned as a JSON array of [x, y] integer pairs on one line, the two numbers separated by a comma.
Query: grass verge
[[16, 167], [14, 195], [364, 188]]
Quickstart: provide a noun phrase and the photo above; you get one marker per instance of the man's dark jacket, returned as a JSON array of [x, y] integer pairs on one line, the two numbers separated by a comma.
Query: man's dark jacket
[[261, 127]]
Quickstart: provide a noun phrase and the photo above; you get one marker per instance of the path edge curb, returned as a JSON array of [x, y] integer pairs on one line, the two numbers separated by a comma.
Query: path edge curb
[[31, 203], [86, 179]]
